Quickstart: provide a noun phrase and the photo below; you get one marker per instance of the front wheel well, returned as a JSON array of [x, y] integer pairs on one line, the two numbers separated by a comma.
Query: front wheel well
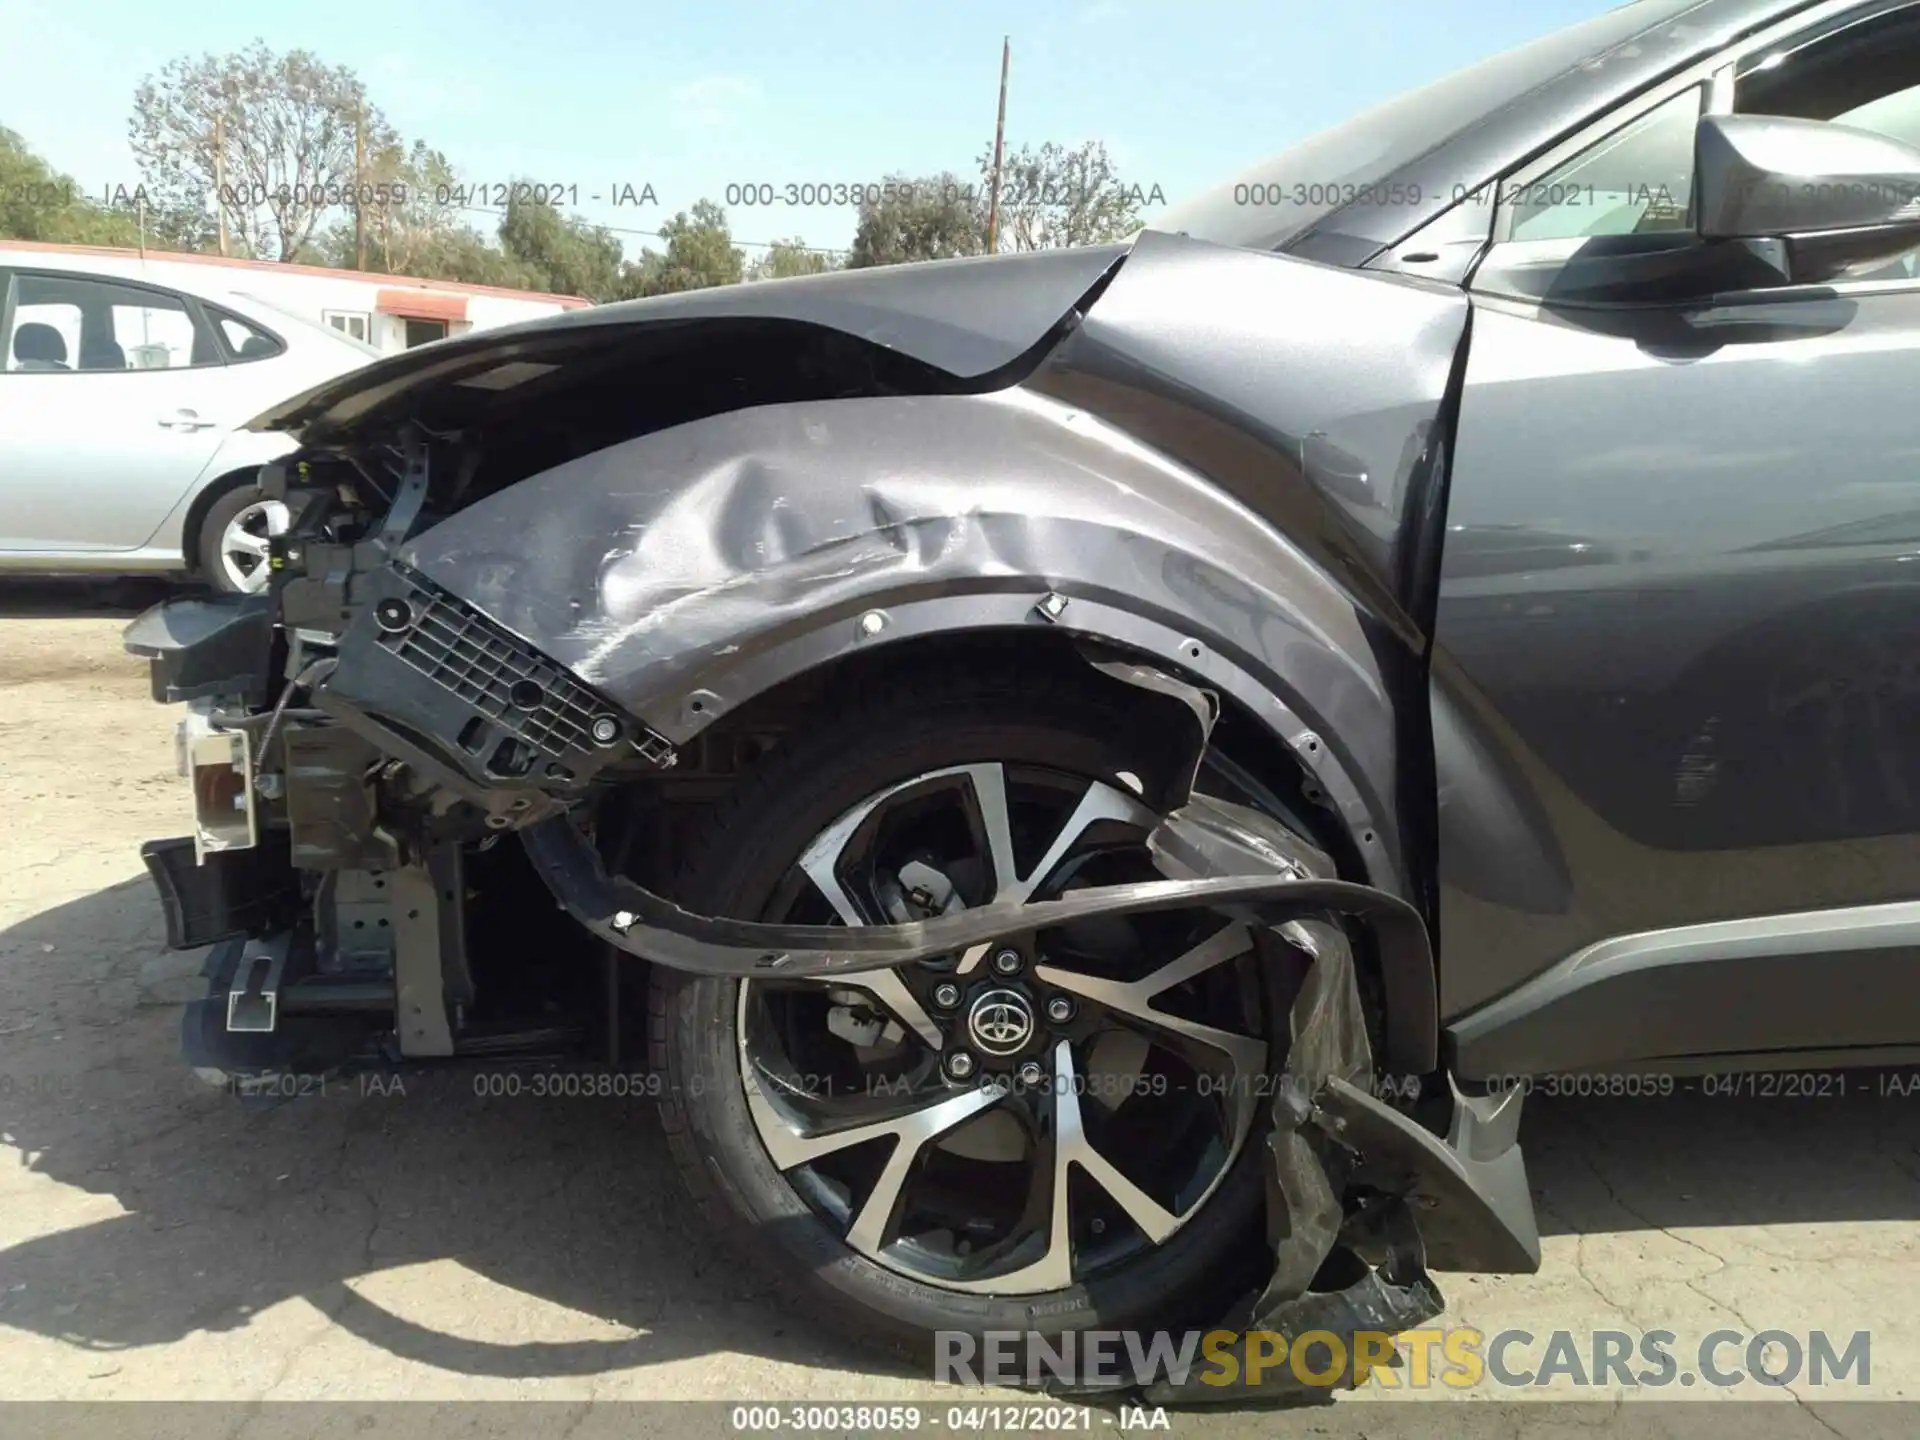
[[209, 495], [1255, 756], [650, 826]]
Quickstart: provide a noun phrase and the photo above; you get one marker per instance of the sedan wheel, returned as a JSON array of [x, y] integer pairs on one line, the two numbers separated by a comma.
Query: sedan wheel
[[233, 547], [243, 544]]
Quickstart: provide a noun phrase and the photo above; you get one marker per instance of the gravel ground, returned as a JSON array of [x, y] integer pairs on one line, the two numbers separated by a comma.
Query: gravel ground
[[158, 1241]]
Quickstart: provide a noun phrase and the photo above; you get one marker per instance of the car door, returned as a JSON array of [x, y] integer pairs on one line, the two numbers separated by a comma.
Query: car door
[[1679, 614], [111, 405]]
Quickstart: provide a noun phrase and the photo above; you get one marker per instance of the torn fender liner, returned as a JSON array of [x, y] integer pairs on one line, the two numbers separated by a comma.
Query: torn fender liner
[[649, 925], [1358, 1193]]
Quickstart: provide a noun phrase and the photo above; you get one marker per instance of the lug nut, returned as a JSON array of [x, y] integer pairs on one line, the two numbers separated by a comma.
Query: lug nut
[[946, 995], [960, 1065], [1059, 1009], [1031, 1074], [1007, 962]]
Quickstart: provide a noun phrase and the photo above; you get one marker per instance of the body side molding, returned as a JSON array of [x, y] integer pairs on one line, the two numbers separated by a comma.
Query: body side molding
[[1757, 985]]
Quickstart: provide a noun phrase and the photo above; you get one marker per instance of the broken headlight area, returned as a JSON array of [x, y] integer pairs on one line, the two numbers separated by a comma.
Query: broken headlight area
[[355, 743]]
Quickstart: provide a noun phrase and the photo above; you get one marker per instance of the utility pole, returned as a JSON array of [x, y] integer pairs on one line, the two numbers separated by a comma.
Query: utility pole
[[220, 174], [359, 164], [999, 143]]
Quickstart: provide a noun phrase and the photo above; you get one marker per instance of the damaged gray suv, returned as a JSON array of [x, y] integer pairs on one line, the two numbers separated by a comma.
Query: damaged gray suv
[[1083, 779]]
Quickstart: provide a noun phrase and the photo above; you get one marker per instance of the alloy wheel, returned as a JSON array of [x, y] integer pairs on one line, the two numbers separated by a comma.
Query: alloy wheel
[[1017, 1118]]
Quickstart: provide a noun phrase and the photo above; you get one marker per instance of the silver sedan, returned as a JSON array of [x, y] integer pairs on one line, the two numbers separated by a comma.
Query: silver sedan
[[121, 403]]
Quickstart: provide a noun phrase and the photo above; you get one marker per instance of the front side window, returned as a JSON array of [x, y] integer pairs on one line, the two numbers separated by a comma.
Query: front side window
[[1637, 181], [1633, 188], [79, 323], [1266, 206]]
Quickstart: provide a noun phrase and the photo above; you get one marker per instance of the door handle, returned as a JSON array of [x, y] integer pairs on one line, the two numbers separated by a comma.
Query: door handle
[[184, 419]]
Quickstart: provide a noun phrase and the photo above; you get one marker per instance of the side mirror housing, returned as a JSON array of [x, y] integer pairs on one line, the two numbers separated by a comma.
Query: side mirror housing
[[1841, 198]]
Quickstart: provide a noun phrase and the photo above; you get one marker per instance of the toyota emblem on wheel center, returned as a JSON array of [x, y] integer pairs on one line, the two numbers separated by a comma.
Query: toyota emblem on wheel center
[[1001, 1022]]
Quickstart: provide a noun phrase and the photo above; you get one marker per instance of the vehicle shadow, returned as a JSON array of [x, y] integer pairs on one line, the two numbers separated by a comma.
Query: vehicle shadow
[[1723, 1151], [230, 1210], [81, 597], [226, 1211]]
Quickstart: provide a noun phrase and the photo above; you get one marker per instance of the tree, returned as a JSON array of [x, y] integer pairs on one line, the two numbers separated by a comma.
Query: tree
[[787, 258], [37, 202], [1062, 195], [268, 137], [407, 212], [561, 253], [700, 252], [176, 227], [465, 255], [933, 218], [407, 205]]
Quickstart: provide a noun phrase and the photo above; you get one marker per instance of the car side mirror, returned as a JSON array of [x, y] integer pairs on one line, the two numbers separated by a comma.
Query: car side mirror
[[1840, 198]]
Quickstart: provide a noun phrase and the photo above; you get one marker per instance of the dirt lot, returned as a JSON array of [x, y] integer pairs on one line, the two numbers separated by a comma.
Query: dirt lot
[[158, 1241]]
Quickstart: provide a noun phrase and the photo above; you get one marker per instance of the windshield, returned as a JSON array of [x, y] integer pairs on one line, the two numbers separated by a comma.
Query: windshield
[[1265, 206]]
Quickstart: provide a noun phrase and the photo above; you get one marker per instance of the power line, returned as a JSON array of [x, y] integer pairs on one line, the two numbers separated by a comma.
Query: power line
[[658, 235]]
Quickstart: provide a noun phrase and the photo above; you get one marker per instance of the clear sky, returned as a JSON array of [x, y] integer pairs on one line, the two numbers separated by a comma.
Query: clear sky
[[693, 95]]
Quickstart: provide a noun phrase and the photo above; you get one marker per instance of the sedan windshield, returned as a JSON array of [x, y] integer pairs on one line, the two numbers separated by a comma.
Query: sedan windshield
[[1264, 207]]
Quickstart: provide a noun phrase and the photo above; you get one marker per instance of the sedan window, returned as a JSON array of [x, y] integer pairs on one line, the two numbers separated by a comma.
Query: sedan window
[[79, 323], [151, 332], [245, 341]]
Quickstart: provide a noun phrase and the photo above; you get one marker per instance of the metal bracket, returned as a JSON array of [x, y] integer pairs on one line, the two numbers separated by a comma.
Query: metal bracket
[[412, 493], [356, 923], [429, 951], [253, 1001]]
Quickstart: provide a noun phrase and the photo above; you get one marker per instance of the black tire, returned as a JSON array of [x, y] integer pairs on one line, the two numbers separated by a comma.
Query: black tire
[[908, 728], [213, 526]]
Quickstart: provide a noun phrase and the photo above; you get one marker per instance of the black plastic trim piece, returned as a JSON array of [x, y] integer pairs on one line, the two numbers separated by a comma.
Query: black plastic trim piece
[[233, 893], [199, 646], [637, 920]]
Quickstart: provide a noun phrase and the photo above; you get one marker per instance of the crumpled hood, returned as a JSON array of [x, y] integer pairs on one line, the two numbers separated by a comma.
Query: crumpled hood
[[968, 318]]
